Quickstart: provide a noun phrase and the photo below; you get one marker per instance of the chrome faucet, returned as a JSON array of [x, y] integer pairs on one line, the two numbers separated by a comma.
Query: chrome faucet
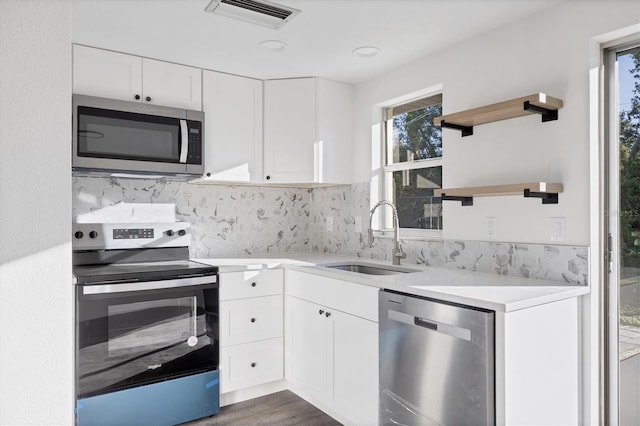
[[397, 249]]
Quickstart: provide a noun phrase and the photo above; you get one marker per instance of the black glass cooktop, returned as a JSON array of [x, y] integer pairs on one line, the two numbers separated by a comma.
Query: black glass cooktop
[[145, 271]]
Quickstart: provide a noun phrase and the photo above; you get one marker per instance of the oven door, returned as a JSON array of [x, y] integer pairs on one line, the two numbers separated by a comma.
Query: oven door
[[131, 334]]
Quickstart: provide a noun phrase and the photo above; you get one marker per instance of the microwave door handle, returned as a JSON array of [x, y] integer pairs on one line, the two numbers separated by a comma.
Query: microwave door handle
[[184, 141]]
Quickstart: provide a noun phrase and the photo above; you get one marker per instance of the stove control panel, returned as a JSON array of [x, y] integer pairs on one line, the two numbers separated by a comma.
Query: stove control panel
[[133, 233], [109, 236]]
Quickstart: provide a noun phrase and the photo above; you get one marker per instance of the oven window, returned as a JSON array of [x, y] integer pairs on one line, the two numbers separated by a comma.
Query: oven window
[[127, 136], [147, 326]]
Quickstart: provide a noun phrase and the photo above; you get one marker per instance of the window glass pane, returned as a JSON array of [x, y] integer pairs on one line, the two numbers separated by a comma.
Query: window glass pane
[[629, 279], [414, 136], [413, 197]]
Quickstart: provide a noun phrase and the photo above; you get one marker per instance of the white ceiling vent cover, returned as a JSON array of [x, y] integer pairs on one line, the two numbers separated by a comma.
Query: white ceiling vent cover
[[262, 12]]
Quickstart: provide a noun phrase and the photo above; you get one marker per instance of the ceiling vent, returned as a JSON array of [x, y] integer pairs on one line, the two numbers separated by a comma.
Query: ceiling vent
[[265, 13]]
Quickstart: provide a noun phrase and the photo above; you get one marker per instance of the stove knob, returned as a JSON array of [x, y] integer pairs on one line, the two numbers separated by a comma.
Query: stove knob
[[93, 234], [78, 234], [169, 233], [182, 232]]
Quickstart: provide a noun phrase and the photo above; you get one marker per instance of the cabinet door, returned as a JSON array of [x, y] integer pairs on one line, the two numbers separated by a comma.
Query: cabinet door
[[335, 132], [290, 130], [307, 341], [106, 74], [233, 127], [355, 368], [172, 85]]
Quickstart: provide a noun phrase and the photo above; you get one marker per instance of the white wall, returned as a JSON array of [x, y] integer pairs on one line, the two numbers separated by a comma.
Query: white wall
[[36, 309], [547, 52]]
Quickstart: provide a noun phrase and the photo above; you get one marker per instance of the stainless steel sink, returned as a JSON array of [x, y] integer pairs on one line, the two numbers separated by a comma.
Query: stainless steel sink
[[370, 269]]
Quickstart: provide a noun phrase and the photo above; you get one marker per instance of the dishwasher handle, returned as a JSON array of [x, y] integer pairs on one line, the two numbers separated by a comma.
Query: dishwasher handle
[[437, 326], [425, 323]]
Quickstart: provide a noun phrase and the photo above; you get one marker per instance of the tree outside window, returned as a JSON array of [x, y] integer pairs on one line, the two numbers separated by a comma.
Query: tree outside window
[[413, 168]]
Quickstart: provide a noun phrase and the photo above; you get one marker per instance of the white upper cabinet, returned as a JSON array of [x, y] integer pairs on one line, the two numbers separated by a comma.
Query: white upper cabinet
[[233, 127], [164, 83], [106, 74], [114, 75], [307, 131]]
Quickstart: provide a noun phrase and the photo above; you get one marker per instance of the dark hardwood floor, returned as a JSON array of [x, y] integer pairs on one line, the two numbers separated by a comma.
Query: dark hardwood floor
[[281, 408]]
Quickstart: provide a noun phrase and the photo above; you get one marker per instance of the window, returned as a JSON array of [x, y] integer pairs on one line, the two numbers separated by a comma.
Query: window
[[413, 163]]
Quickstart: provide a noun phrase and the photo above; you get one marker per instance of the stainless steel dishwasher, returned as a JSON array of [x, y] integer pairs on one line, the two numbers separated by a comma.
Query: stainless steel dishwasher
[[436, 362]]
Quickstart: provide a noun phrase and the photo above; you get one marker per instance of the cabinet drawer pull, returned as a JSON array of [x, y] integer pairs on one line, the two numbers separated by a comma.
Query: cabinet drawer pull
[[328, 314], [137, 97], [321, 312], [148, 98], [253, 284], [253, 320], [253, 364]]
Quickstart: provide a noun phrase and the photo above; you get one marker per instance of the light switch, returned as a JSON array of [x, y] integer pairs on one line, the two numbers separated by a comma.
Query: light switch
[[491, 227], [558, 228]]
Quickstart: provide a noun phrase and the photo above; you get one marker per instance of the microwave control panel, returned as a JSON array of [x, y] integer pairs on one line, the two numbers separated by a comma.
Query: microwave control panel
[[194, 155]]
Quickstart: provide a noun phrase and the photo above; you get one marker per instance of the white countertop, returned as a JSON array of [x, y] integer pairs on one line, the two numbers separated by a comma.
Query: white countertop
[[483, 290]]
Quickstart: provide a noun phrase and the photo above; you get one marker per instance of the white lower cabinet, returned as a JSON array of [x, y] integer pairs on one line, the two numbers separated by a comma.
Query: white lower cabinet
[[251, 329], [331, 354], [249, 320], [355, 367], [250, 364]]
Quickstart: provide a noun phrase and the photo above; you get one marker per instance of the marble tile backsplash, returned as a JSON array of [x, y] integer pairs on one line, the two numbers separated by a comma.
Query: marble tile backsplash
[[563, 264], [243, 220], [225, 220]]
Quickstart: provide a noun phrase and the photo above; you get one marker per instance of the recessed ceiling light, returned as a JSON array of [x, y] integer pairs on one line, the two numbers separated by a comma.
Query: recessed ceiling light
[[366, 51], [273, 45]]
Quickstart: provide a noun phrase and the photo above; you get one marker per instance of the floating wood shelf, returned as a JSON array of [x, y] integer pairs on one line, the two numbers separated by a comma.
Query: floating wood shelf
[[548, 192], [538, 103]]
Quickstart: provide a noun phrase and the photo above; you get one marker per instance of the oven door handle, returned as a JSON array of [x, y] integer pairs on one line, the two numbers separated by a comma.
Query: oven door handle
[[151, 285]]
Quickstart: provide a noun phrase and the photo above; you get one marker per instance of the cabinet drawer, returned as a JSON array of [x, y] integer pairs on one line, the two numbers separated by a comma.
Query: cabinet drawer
[[248, 320], [240, 285], [356, 299], [251, 364]]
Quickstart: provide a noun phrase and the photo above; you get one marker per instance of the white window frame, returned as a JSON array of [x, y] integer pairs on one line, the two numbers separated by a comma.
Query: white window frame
[[385, 221]]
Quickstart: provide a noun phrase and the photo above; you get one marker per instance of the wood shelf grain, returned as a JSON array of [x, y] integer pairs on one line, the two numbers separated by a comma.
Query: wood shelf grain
[[501, 111], [548, 192]]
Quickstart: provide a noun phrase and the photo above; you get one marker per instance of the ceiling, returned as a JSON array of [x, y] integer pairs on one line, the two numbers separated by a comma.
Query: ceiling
[[320, 39]]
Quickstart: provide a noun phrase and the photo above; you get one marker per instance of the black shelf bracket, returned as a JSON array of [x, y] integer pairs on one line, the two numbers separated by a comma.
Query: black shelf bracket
[[547, 114], [466, 201], [466, 130], [547, 197]]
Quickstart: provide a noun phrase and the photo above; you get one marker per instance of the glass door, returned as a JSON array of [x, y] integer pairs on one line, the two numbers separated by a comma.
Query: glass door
[[624, 235]]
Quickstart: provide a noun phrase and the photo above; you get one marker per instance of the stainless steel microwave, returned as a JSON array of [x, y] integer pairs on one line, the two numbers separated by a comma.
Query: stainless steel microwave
[[119, 137]]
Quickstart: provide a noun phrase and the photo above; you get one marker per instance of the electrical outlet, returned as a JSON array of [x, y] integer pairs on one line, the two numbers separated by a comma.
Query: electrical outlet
[[491, 227], [330, 224], [358, 224], [558, 228]]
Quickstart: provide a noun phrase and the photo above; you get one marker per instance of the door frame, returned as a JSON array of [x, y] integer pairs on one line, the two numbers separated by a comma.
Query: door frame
[[609, 329]]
